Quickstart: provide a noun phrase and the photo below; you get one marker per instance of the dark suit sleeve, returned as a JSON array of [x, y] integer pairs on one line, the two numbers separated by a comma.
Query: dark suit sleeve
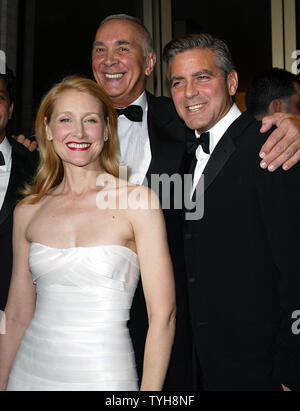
[[279, 199]]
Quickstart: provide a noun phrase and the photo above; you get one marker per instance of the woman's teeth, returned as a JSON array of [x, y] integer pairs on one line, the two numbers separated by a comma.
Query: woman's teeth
[[79, 146]]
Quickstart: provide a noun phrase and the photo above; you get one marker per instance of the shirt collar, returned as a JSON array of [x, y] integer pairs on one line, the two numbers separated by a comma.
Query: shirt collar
[[219, 129], [142, 102], [5, 147]]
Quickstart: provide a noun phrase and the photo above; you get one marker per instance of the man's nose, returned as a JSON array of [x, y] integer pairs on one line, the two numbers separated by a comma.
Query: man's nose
[[110, 58], [190, 90]]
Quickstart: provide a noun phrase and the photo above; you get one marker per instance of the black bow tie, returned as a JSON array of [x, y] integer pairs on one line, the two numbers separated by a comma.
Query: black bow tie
[[203, 141], [2, 160], [133, 113]]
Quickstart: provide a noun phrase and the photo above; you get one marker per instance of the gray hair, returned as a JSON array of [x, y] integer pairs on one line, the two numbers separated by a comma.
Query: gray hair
[[201, 41], [148, 42]]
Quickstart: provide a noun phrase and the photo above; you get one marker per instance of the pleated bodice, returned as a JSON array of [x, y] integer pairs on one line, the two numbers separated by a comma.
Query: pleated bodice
[[78, 339]]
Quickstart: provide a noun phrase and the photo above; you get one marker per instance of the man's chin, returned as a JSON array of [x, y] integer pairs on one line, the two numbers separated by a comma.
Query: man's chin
[[112, 87], [113, 92], [196, 125]]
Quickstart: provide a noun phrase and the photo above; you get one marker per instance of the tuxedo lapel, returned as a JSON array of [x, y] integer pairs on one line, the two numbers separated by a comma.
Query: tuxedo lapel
[[10, 198], [23, 164], [218, 159], [153, 135], [167, 136], [225, 149]]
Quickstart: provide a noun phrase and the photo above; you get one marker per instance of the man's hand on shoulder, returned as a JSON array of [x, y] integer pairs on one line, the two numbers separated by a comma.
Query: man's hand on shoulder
[[31, 145], [283, 146]]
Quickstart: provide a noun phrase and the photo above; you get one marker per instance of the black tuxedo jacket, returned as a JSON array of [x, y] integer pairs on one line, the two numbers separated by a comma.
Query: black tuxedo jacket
[[242, 261], [23, 166], [167, 140]]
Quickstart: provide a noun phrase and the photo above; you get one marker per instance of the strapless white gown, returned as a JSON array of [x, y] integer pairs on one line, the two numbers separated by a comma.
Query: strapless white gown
[[78, 339]]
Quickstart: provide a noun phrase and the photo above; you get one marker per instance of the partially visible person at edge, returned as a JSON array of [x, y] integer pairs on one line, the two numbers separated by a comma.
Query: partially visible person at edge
[[273, 91], [17, 166], [78, 257], [122, 59]]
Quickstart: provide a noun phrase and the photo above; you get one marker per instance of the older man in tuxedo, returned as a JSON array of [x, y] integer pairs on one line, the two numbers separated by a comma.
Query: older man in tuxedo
[[152, 141], [17, 165], [242, 257]]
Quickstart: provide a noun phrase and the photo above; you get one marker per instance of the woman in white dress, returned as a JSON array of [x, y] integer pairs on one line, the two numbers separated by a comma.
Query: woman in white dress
[[81, 239]]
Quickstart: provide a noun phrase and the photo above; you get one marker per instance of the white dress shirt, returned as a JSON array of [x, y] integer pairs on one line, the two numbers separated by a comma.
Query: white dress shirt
[[216, 133], [5, 147], [135, 143]]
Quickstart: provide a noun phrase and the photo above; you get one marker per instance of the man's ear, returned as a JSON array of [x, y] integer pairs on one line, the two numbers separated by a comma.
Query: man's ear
[[276, 106], [10, 111], [150, 63], [232, 82]]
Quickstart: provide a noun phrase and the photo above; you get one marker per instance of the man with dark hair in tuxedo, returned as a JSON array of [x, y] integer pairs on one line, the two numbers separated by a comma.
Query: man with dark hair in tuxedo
[[17, 166], [242, 258]]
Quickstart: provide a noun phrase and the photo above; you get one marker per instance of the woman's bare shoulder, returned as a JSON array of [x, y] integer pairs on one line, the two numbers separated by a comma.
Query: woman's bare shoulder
[[142, 203], [27, 209]]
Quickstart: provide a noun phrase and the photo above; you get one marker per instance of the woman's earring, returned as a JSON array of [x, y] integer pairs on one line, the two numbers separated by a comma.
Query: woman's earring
[[49, 138]]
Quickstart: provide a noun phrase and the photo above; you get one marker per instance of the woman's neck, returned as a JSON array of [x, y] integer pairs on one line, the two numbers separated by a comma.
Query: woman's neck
[[80, 180]]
